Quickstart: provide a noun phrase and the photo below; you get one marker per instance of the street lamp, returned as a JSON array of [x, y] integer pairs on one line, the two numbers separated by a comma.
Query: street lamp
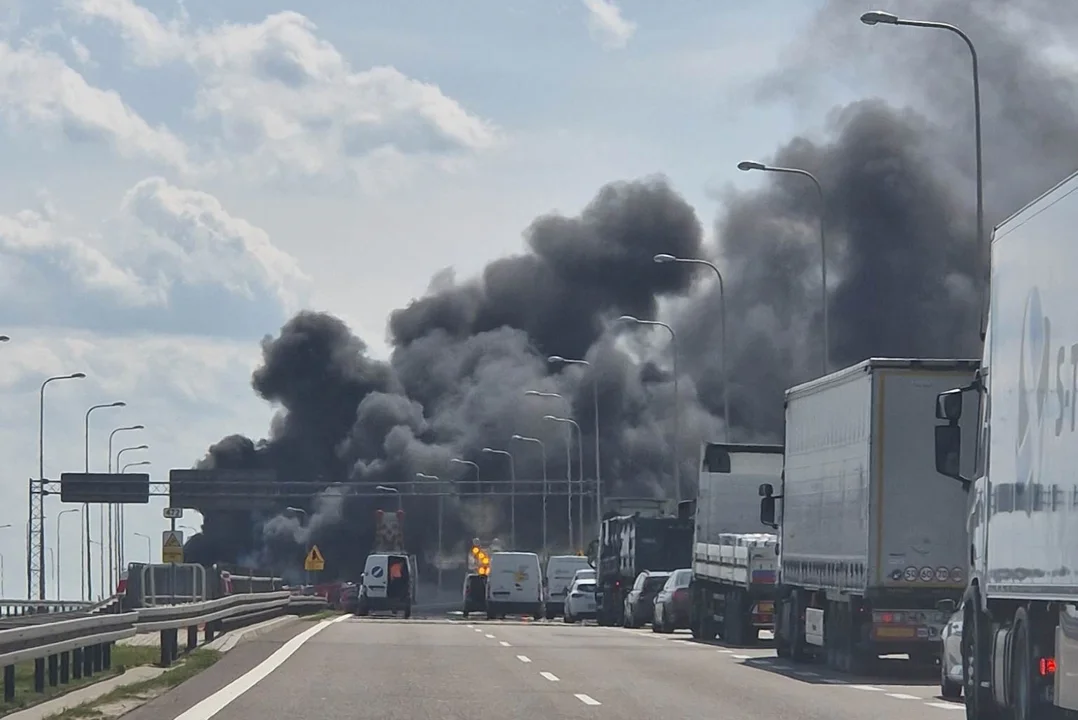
[[462, 461], [441, 513], [677, 398], [595, 398], [512, 493], [568, 465], [4, 338], [746, 166], [389, 489], [580, 455], [41, 479], [119, 455], [666, 258], [134, 464], [59, 591], [100, 508], [878, 17], [546, 486], [301, 511], [149, 547], [116, 513]]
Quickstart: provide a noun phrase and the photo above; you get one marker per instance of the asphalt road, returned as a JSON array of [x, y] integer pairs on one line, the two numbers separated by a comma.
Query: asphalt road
[[393, 669]]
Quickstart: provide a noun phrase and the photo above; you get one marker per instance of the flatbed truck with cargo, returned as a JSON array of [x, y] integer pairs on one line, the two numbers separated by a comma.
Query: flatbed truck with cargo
[[734, 565]]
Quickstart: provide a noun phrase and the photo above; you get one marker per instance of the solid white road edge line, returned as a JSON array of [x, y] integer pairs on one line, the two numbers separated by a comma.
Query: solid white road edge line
[[208, 707], [587, 699]]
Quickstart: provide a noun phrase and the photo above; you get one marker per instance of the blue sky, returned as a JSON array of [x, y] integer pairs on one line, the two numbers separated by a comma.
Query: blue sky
[[178, 178]]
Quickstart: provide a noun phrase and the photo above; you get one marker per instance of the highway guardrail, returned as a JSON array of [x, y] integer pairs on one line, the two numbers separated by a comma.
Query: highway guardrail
[[78, 644]]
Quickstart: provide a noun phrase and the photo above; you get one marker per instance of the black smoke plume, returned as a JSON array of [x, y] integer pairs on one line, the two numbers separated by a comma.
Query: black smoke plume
[[904, 280]]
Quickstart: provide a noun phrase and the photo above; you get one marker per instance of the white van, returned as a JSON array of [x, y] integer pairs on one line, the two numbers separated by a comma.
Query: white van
[[388, 584], [560, 570], [514, 585]]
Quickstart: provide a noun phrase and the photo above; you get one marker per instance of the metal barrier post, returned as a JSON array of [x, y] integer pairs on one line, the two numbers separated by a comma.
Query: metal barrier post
[[39, 675], [9, 683], [192, 637], [76, 663], [65, 668]]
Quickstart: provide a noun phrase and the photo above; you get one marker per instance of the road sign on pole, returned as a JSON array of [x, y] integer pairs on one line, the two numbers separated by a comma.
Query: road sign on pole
[[172, 513], [314, 560], [172, 546], [121, 488]]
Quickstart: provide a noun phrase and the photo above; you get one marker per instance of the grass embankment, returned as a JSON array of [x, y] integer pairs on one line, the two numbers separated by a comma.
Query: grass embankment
[[187, 667], [123, 657]]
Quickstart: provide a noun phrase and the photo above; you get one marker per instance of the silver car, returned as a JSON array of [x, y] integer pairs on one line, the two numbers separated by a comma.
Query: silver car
[[951, 657]]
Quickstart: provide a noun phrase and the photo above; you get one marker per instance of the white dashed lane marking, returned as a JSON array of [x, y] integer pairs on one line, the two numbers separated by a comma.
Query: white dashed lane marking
[[549, 676], [587, 699], [503, 643], [490, 636], [524, 658], [902, 696]]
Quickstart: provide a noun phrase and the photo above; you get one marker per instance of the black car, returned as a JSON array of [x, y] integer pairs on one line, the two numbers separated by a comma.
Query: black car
[[475, 593]]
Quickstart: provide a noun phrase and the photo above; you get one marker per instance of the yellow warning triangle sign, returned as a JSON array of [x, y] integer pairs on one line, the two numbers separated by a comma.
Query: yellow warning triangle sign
[[314, 557], [172, 541]]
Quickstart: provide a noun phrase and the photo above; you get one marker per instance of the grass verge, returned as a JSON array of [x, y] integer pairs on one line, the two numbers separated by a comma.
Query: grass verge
[[189, 666], [322, 615], [123, 657]]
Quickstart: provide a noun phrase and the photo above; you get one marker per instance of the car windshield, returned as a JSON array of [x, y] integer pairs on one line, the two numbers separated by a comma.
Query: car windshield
[[681, 579], [585, 587]]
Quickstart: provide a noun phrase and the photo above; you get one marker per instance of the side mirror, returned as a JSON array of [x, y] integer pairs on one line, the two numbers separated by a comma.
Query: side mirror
[[949, 451], [947, 605], [767, 490], [949, 406], [767, 512]]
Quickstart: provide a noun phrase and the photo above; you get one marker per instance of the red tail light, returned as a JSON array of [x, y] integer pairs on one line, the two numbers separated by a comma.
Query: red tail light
[[1046, 666], [681, 593]]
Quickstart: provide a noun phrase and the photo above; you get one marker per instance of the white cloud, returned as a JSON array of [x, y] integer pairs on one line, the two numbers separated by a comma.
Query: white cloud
[[39, 90], [287, 102], [606, 24], [171, 259]]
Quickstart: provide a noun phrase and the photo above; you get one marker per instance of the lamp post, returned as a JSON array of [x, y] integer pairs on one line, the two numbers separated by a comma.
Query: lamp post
[[134, 464], [677, 398], [580, 455], [116, 513], [462, 461], [304, 513], [149, 547], [59, 555], [568, 465], [390, 489], [41, 479], [598, 478], [512, 493], [119, 455], [546, 486], [878, 17], [441, 513], [747, 166], [100, 508], [665, 258]]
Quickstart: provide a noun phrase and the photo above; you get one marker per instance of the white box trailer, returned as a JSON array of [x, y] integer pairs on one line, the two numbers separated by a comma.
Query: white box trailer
[[734, 563], [1020, 611], [869, 542]]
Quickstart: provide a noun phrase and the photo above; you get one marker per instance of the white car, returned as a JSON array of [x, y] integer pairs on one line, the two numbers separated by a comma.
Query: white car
[[580, 601]]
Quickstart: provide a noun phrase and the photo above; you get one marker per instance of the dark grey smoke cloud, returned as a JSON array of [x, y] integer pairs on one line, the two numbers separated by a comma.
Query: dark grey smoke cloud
[[903, 281]]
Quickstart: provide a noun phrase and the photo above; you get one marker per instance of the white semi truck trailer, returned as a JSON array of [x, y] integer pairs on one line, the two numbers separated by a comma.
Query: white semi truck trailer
[[1020, 621], [870, 539]]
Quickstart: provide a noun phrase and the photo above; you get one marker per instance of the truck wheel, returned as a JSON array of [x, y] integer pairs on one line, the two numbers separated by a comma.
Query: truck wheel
[[975, 660], [733, 630], [1023, 681], [464, 614]]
